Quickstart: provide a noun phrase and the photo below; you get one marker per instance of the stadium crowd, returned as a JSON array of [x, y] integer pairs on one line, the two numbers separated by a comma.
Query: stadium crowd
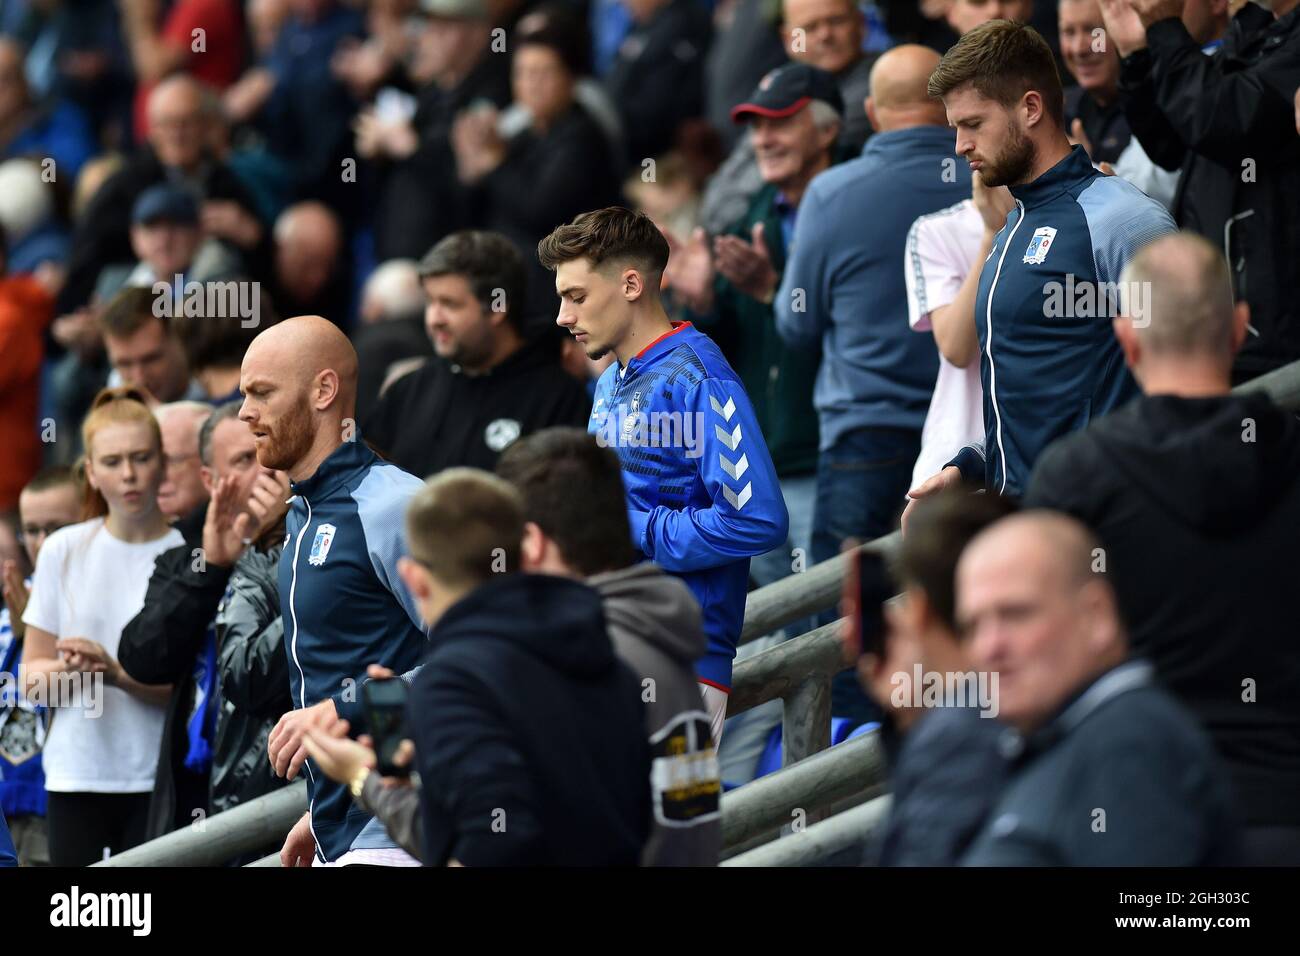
[[407, 394]]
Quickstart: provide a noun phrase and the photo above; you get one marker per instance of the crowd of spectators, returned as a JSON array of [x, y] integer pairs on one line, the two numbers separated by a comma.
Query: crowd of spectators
[[307, 308]]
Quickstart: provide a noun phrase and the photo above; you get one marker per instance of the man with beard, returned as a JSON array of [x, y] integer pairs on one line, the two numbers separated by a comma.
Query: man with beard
[[344, 605], [1047, 293], [487, 385]]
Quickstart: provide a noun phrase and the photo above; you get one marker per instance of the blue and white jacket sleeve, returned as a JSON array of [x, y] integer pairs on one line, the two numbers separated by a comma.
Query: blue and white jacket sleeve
[[746, 513]]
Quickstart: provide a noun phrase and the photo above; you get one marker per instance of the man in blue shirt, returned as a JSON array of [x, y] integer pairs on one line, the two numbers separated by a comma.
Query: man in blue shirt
[[1048, 292], [703, 496]]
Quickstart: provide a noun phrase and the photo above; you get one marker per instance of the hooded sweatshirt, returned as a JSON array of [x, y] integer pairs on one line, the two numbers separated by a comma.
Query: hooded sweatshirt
[[654, 622], [1197, 504], [529, 732]]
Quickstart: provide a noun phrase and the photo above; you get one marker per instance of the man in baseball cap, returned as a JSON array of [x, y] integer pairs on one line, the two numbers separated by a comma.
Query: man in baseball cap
[[788, 89]]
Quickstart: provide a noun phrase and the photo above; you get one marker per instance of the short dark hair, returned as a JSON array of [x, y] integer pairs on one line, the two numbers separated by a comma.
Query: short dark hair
[[220, 340], [223, 412], [131, 310], [609, 234], [1003, 60], [490, 264], [938, 530], [572, 488], [52, 477], [464, 525]]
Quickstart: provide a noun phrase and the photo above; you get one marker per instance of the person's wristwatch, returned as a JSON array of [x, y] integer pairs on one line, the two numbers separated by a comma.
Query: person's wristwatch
[[358, 782]]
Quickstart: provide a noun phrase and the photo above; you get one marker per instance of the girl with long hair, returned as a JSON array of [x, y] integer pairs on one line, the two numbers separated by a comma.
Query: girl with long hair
[[101, 752]]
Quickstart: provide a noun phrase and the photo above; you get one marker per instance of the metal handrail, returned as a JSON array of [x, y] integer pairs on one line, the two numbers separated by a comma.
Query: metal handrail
[[801, 791], [798, 671], [212, 841], [842, 838]]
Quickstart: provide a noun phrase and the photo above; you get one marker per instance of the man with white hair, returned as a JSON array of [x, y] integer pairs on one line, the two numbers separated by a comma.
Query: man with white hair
[[1193, 493], [182, 490], [391, 340]]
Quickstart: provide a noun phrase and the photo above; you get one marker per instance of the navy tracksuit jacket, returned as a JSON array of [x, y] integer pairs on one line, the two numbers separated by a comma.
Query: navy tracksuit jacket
[[1049, 360]]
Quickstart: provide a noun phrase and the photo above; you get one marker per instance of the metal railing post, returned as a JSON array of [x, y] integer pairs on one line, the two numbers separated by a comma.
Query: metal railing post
[[806, 720]]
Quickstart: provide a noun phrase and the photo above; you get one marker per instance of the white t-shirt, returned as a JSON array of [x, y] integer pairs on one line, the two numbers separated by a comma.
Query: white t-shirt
[[941, 251], [90, 584]]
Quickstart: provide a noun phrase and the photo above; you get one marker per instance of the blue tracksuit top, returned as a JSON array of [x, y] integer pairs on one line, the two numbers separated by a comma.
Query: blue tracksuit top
[[703, 496], [344, 608], [1049, 360]]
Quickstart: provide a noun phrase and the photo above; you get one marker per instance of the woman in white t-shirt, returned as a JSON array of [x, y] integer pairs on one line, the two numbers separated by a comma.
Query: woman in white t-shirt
[[101, 752]]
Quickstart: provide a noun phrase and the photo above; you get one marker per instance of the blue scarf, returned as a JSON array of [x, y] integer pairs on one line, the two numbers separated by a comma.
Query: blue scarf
[[199, 727]]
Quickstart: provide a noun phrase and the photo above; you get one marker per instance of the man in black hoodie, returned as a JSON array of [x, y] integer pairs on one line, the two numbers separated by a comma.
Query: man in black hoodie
[[654, 622], [487, 384], [1194, 494], [529, 734]]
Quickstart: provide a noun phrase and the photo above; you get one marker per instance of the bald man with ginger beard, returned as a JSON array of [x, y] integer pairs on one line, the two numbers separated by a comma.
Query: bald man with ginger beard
[[343, 603]]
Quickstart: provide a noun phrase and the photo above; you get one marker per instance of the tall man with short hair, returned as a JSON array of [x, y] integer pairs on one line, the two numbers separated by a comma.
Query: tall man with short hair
[[343, 605], [1048, 362], [703, 496], [844, 289]]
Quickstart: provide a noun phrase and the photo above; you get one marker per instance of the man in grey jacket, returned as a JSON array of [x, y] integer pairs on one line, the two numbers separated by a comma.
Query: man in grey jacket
[[1104, 767]]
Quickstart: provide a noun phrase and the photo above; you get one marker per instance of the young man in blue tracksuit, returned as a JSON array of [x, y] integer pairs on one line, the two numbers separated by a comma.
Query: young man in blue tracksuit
[[703, 496], [344, 605], [1048, 292]]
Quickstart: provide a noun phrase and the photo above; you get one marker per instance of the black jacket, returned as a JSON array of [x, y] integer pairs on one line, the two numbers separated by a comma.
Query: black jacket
[[254, 680], [438, 417], [1197, 504], [419, 199], [544, 182], [657, 77], [1122, 776], [1228, 122], [103, 233], [1105, 126], [159, 646], [529, 733], [379, 346]]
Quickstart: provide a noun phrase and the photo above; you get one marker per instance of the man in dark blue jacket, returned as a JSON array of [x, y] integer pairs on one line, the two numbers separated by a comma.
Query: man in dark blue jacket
[[529, 732], [1048, 292], [343, 605]]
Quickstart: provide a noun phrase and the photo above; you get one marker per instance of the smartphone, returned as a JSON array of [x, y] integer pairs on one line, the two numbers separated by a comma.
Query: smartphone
[[867, 586], [385, 705]]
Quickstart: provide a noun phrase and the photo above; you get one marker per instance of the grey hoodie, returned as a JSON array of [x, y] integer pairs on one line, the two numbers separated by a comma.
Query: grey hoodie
[[654, 624]]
